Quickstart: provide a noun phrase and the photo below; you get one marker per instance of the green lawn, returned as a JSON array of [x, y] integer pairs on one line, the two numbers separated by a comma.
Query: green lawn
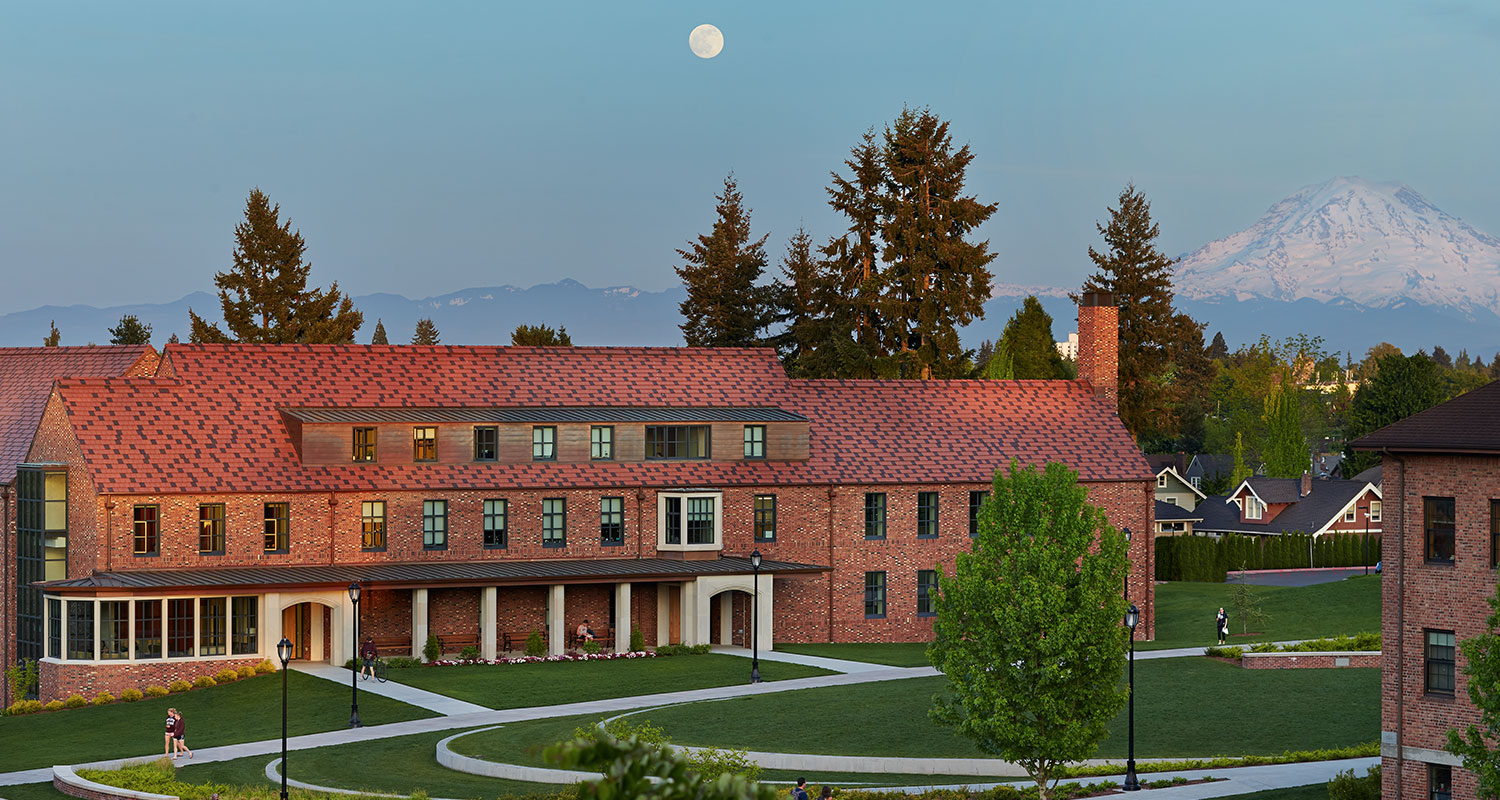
[[1185, 612], [1184, 707], [545, 684], [900, 654], [1312, 791], [32, 791], [244, 711]]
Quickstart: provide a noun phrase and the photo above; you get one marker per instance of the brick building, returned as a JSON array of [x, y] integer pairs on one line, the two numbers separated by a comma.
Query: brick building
[[480, 494], [1441, 478], [26, 377]]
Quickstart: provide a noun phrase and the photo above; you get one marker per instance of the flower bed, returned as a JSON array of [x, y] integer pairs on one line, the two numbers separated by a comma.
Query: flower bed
[[463, 662]]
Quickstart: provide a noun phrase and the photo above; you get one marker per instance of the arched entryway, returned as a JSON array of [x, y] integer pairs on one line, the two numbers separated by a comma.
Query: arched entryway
[[309, 627], [729, 618]]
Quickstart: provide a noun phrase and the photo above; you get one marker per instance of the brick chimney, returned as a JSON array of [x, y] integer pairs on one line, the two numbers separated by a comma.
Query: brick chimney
[[1306, 487], [1099, 345]]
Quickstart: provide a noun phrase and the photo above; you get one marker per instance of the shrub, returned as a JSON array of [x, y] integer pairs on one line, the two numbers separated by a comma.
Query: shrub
[[433, 650], [1224, 652], [470, 653], [76, 701], [711, 762], [1345, 786], [55, 705], [402, 662], [205, 681], [160, 777], [21, 677], [535, 647], [247, 671], [265, 666], [227, 675], [592, 648], [131, 695], [178, 685], [156, 691], [622, 728], [700, 649], [103, 699], [637, 640], [23, 707]]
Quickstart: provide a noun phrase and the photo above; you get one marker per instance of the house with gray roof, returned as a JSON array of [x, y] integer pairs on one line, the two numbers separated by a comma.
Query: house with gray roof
[[1270, 506]]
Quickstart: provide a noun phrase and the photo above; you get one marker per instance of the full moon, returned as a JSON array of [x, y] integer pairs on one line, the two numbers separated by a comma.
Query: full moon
[[706, 41]]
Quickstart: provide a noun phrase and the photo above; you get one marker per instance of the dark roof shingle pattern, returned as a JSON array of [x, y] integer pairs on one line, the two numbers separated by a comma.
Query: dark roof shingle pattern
[[1469, 423], [1310, 513]]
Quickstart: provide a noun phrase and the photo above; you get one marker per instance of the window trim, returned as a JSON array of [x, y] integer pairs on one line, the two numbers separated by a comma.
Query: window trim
[[367, 535], [431, 534], [980, 495], [283, 536], [922, 507], [494, 431], [1375, 510], [544, 443], [366, 450], [420, 443], [927, 590], [219, 537], [755, 442], [1428, 530], [618, 524], [487, 515], [1254, 508], [1351, 515], [683, 545], [884, 511], [560, 540], [676, 444], [764, 521], [1429, 663], [601, 443], [881, 587], [152, 526]]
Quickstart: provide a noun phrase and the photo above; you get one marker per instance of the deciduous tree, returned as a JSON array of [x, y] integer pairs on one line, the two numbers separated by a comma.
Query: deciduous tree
[[726, 306], [1285, 451], [1474, 743], [130, 330], [1028, 339], [632, 768], [1028, 628], [426, 332], [1401, 386], [540, 336]]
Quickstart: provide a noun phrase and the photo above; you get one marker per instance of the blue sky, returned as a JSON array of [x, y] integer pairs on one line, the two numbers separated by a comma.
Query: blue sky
[[424, 148]]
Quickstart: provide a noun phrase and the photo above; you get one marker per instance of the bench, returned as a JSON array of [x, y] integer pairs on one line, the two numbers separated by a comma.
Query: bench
[[516, 640], [456, 642], [604, 637], [392, 644]]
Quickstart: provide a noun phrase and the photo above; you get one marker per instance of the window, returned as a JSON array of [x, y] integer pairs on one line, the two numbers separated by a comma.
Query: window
[[1439, 664], [875, 515], [180, 627], [147, 530], [765, 518], [278, 523], [1197, 482], [1349, 515], [700, 520], [672, 524], [1374, 510], [677, 441], [364, 444], [41, 550], [424, 444], [81, 629], [755, 441], [927, 590], [874, 595], [211, 626], [372, 524], [602, 443], [211, 528], [486, 443], [434, 524], [927, 515], [495, 514], [543, 443], [148, 629], [611, 521], [114, 629], [246, 625], [554, 522], [54, 632], [1161, 481], [688, 521], [976, 502], [1439, 782], [1252, 507], [1437, 519]]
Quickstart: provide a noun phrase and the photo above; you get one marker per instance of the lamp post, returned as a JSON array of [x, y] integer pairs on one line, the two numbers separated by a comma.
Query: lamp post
[[354, 673], [1132, 616], [755, 623], [283, 652]]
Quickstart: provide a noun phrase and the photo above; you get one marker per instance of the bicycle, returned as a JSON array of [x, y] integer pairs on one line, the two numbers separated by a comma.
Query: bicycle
[[380, 669]]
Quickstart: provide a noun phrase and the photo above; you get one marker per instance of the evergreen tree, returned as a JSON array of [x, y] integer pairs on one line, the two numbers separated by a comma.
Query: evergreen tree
[[810, 310], [1001, 365], [853, 259], [1402, 386], [1239, 472], [54, 336], [725, 307], [1028, 339], [1219, 349], [983, 355], [540, 336], [1285, 451], [1441, 357], [173, 338], [426, 332], [936, 280], [265, 297], [130, 331], [379, 336], [1140, 278]]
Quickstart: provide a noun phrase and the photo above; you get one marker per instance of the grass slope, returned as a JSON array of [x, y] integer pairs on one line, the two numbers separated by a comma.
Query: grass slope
[[899, 654], [244, 711], [1185, 612]]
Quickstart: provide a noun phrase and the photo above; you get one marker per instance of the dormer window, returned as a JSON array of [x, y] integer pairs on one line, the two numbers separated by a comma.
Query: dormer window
[[486, 443], [676, 441], [1253, 507], [755, 441], [544, 443], [364, 444], [424, 444]]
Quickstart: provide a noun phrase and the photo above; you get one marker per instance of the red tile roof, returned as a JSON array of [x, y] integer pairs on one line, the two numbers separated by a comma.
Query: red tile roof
[[26, 377], [215, 427]]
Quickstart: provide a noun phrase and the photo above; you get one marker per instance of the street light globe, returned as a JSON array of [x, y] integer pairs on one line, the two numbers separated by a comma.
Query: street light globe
[[354, 592], [755, 560], [1132, 616], [284, 650]]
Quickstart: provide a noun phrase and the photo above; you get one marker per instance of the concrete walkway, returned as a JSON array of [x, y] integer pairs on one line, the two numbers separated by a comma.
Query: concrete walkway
[[833, 664], [441, 704]]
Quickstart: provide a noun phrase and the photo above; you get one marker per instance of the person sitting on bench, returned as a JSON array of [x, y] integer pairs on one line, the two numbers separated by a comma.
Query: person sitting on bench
[[585, 633]]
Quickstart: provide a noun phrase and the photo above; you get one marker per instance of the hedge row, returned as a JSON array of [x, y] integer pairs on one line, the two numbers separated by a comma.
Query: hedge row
[[132, 695], [1203, 558]]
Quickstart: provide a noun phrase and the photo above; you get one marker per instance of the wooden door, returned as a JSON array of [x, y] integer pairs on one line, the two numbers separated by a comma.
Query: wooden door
[[674, 615], [296, 625]]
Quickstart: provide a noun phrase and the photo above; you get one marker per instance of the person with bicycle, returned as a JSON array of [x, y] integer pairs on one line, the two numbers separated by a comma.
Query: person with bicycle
[[367, 652]]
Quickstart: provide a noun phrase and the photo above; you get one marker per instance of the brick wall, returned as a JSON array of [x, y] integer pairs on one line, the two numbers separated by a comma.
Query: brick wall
[[1310, 660], [385, 612], [61, 680]]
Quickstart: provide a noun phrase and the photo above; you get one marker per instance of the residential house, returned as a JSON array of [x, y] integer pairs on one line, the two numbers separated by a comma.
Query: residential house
[[1269, 506]]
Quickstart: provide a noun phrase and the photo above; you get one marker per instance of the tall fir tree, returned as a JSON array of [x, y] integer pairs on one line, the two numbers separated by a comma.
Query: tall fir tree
[[1285, 451], [540, 336], [173, 338], [1219, 349], [130, 330], [426, 332], [379, 336], [264, 295], [54, 336], [852, 260], [726, 306], [1028, 340]]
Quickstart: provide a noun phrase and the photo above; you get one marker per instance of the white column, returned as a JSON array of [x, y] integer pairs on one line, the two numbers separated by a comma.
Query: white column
[[695, 616], [418, 622], [98, 645], [622, 617], [341, 644], [763, 614], [663, 615], [315, 649], [726, 618], [270, 626], [487, 597], [557, 634]]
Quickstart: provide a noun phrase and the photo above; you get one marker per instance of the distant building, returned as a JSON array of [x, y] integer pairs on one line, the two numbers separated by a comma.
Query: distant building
[[1069, 349], [1208, 467], [1270, 506]]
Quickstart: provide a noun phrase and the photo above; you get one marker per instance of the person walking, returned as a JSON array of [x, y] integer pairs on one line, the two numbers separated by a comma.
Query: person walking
[[827, 793], [1221, 626], [166, 747], [800, 791], [367, 653], [179, 734]]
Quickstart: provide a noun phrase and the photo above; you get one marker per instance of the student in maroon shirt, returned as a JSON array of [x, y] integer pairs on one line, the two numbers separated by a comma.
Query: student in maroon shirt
[[179, 734]]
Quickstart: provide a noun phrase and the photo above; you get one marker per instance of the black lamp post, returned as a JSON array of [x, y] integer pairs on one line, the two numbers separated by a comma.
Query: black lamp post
[[754, 623], [283, 652], [354, 673], [1132, 616]]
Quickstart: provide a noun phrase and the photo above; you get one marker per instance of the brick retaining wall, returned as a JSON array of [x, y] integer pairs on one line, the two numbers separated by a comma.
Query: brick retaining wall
[[1311, 660]]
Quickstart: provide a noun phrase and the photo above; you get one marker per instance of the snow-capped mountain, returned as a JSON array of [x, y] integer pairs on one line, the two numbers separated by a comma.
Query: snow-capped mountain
[[1351, 241]]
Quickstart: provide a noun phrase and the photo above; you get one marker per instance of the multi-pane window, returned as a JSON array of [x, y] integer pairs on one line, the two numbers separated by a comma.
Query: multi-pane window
[[875, 515], [611, 520], [1252, 507], [976, 502], [434, 524], [672, 520], [148, 629], [677, 441], [212, 625], [755, 441], [874, 595], [245, 625], [54, 634], [1374, 510], [543, 443], [372, 524], [1439, 782], [1440, 662], [927, 515], [364, 444], [554, 522], [765, 518], [81, 630], [496, 513], [147, 530], [602, 442], [114, 628], [700, 520], [424, 444], [277, 527], [1437, 519], [927, 590], [486, 443], [211, 528], [179, 627], [1349, 514]]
